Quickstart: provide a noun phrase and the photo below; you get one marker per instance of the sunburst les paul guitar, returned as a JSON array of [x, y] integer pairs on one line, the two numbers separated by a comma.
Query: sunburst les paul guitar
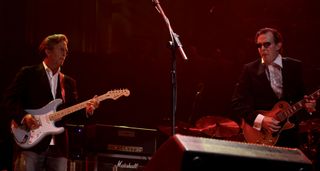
[[281, 111], [47, 116]]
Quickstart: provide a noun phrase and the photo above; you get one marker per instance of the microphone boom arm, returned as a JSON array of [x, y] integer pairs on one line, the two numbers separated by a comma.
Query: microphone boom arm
[[175, 42]]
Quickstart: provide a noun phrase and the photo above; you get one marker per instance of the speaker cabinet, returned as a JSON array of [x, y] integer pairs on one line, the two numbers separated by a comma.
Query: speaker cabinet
[[109, 162], [120, 162], [187, 153]]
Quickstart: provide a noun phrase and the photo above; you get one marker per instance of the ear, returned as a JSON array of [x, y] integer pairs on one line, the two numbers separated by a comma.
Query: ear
[[279, 46], [47, 52]]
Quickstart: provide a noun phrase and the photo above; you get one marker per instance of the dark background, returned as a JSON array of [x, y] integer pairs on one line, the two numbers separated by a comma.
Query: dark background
[[118, 44]]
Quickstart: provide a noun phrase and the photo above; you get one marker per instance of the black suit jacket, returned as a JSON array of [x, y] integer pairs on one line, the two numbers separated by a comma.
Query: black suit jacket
[[253, 90], [31, 90]]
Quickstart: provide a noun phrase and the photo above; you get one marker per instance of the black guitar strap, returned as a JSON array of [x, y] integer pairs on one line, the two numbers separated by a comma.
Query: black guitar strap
[[63, 92]]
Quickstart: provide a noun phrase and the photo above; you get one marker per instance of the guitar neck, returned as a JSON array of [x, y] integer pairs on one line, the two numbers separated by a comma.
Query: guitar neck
[[299, 105], [109, 95], [58, 115]]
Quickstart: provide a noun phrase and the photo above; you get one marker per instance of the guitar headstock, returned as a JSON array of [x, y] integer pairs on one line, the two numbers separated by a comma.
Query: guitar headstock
[[115, 94]]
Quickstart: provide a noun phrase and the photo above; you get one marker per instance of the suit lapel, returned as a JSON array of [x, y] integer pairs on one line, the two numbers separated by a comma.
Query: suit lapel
[[285, 69], [261, 69], [262, 76], [261, 73], [44, 80]]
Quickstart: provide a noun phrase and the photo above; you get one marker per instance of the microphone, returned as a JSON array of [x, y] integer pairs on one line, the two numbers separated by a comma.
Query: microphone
[[155, 2]]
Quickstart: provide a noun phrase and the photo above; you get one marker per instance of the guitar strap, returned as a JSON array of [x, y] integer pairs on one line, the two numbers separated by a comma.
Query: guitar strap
[[63, 92]]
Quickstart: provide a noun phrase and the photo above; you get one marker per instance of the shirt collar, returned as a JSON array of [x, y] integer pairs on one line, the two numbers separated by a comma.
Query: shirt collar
[[277, 61], [48, 70]]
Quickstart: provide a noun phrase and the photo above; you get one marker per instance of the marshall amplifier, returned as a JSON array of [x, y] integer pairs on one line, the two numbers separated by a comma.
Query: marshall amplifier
[[121, 140], [117, 162]]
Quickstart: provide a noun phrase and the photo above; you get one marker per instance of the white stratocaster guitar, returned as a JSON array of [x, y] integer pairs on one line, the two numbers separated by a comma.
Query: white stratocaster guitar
[[47, 116]]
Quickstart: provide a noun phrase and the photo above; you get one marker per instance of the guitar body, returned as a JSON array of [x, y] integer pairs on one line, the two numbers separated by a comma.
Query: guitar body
[[47, 116], [27, 139], [252, 135]]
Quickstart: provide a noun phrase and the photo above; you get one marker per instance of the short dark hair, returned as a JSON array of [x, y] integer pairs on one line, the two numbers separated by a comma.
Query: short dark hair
[[50, 41], [277, 37]]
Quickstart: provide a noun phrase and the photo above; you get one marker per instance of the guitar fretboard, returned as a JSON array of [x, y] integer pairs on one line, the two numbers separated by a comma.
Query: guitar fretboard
[[114, 94], [297, 106]]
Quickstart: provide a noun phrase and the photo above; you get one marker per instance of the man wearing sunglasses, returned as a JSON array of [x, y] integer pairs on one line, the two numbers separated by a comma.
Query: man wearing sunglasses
[[267, 87]]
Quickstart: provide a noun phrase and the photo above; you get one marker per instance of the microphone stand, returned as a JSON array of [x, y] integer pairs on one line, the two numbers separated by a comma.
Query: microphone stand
[[174, 43]]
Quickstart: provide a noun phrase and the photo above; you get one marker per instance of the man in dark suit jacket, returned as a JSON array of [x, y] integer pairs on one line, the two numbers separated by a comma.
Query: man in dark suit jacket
[[33, 88], [259, 88]]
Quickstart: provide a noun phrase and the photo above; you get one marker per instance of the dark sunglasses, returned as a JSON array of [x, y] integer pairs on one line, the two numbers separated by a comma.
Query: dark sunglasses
[[265, 45]]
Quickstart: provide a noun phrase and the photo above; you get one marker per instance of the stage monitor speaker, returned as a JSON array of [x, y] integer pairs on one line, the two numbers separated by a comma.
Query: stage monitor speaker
[[187, 153]]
